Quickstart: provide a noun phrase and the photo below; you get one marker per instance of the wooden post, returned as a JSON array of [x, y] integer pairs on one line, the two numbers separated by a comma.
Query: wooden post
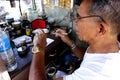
[[3, 72]]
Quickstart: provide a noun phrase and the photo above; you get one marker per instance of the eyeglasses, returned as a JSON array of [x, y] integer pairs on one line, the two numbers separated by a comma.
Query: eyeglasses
[[78, 17]]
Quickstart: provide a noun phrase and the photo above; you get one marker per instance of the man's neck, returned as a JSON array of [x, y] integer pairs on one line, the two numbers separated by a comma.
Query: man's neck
[[106, 46]]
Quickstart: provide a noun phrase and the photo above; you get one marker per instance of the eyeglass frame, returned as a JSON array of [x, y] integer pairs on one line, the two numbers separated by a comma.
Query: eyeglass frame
[[78, 17]]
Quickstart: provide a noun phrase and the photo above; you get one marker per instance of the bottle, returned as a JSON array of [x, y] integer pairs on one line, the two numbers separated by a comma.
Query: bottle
[[23, 27], [28, 30], [6, 52]]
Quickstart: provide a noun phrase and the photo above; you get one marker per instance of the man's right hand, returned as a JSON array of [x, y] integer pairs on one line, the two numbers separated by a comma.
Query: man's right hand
[[64, 36]]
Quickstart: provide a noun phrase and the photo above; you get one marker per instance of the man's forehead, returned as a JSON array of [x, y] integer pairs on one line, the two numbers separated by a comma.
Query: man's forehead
[[85, 5]]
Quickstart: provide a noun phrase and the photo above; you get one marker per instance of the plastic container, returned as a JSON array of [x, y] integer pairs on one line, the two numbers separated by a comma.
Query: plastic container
[[6, 52], [17, 27], [32, 14]]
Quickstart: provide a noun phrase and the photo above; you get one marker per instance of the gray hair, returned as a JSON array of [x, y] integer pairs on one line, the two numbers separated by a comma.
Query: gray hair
[[109, 10]]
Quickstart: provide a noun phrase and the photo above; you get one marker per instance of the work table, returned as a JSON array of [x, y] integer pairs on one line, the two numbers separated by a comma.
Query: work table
[[23, 64]]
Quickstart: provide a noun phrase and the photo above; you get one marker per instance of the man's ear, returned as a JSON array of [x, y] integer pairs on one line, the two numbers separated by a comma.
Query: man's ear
[[103, 28]]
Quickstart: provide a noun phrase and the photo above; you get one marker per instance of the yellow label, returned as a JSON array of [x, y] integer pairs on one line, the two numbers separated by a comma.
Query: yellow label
[[28, 32]]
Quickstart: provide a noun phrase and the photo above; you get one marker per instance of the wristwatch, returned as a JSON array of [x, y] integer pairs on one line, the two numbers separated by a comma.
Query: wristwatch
[[35, 50]]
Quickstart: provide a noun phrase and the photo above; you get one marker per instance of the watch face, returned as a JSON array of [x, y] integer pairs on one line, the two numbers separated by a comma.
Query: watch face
[[35, 49]]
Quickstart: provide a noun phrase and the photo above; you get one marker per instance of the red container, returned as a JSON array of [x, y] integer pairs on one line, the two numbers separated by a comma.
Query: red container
[[38, 23]]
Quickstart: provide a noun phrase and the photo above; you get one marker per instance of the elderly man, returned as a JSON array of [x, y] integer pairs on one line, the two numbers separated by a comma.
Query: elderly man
[[97, 23]]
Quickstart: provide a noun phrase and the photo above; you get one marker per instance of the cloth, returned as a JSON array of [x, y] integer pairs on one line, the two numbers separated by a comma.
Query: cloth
[[97, 67]]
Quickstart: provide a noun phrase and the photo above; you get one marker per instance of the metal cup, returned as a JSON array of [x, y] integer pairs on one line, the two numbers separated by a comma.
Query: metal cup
[[51, 71]]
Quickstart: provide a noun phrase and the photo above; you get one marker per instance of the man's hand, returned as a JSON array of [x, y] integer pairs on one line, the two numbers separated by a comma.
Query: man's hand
[[64, 36], [40, 40]]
